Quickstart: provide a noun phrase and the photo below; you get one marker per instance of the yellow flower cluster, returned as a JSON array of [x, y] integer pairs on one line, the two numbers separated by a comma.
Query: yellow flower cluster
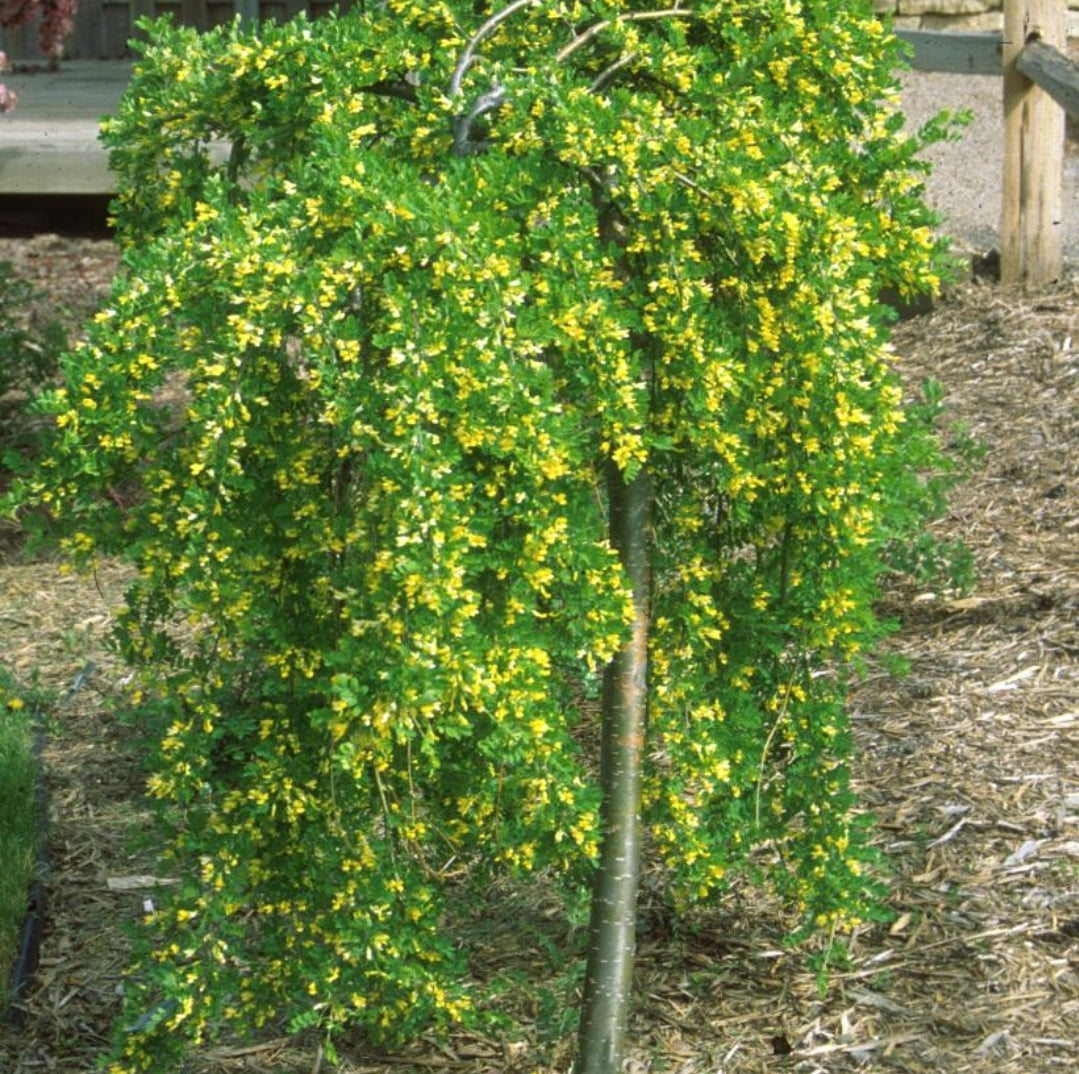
[[352, 409]]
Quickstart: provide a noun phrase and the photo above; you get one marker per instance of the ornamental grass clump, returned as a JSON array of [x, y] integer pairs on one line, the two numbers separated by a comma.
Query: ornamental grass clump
[[366, 393]]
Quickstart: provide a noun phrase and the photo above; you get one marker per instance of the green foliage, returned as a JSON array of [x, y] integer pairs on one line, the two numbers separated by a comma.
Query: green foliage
[[920, 493], [349, 412], [18, 821], [29, 359]]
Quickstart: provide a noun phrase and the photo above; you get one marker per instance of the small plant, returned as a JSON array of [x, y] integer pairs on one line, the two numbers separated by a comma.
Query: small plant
[[18, 822], [930, 561], [910, 550], [29, 359], [29, 352]]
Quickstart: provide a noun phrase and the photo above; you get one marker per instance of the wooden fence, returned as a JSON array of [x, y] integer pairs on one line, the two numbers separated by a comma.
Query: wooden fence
[[1040, 84], [103, 28]]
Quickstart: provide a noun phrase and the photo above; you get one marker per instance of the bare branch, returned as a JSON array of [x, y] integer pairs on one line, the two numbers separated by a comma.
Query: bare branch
[[485, 30], [401, 89], [634, 16], [463, 145], [607, 75]]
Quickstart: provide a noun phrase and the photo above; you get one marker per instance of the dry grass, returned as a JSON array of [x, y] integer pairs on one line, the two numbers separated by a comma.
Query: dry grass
[[970, 762]]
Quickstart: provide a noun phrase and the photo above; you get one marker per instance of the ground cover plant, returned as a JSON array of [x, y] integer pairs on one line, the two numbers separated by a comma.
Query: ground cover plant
[[18, 823], [369, 410]]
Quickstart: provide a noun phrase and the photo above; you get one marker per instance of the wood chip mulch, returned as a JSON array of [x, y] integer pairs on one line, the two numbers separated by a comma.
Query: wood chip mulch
[[970, 762]]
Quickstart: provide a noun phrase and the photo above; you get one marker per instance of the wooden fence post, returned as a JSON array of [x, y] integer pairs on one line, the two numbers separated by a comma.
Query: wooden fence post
[[1030, 228]]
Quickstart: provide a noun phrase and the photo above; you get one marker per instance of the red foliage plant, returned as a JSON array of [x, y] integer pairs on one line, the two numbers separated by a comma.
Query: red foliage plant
[[55, 19]]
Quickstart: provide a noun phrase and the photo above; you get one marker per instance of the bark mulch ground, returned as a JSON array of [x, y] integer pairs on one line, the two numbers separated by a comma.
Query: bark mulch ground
[[970, 762]]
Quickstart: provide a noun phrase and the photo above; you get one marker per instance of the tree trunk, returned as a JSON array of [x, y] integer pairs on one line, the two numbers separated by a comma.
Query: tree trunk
[[612, 931]]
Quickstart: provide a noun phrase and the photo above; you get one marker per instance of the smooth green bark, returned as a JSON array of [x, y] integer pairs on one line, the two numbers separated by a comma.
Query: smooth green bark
[[612, 935]]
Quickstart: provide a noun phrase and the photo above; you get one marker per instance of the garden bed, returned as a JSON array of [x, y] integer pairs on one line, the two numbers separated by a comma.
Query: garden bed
[[970, 763]]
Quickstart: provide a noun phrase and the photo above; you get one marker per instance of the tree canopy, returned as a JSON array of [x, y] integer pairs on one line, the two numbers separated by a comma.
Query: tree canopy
[[401, 288]]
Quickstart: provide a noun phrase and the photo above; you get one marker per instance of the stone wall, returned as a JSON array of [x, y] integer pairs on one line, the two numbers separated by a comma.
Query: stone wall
[[966, 15]]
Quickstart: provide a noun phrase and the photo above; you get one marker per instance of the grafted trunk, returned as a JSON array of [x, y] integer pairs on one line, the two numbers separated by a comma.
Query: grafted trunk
[[612, 931]]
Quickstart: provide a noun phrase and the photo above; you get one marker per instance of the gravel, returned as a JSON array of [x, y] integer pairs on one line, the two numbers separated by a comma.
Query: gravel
[[967, 177]]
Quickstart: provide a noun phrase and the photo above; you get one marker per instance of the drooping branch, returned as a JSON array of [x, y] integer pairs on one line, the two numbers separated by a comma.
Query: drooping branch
[[463, 142], [608, 74], [483, 32], [401, 89], [634, 16], [464, 145], [492, 99]]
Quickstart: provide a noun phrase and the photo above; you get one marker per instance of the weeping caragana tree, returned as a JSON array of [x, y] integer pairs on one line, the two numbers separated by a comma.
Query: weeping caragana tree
[[514, 370]]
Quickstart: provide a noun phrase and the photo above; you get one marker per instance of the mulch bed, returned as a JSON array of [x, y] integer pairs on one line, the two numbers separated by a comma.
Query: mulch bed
[[970, 762]]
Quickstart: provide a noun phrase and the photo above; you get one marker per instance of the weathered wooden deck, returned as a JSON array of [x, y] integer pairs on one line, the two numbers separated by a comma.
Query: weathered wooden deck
[[49, 144]]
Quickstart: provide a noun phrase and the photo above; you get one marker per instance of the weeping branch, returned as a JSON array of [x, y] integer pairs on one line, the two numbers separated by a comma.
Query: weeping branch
[[488, 28], [463, 143], [402, 89], [634, 16], [610, 72]]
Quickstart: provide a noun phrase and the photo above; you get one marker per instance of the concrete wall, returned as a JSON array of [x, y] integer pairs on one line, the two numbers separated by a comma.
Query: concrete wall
[[966, 15]]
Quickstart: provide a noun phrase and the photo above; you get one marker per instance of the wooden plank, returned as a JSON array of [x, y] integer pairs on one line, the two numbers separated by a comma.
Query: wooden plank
[[20, 43], [1056, 73], [1030, 229], [955, 53], [248, 10], [116, 30], [193, 13], [141, 9], [84, 39]]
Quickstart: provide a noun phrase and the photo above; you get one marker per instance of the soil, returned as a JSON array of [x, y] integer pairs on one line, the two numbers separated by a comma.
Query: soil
[[969, 761]]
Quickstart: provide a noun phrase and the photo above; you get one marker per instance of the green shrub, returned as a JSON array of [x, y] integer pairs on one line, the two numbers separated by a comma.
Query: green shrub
[[29, 353], [350, 411], [29, 360], [18, 823]]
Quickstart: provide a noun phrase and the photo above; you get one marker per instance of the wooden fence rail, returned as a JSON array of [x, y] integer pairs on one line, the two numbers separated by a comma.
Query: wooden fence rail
[[1053, 71], [1040, 84], [955, 53]]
